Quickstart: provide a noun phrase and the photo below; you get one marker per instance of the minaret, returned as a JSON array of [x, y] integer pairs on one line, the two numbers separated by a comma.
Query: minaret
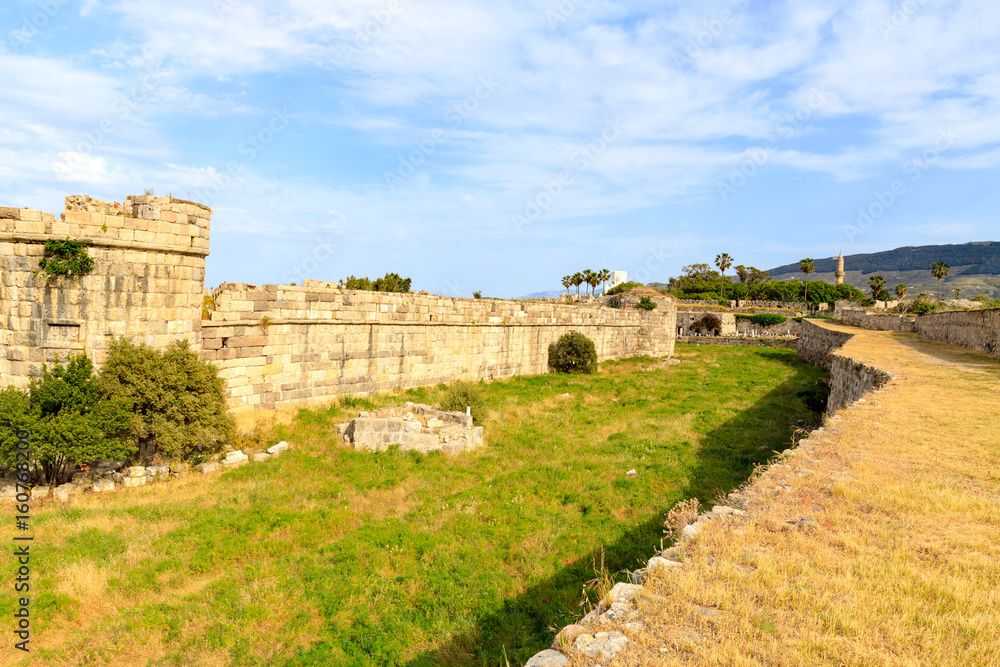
[[840, 269]]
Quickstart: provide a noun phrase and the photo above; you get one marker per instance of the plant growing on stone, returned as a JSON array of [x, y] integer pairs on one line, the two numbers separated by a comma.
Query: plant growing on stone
[[264, 323], [176, 398], [683, 513], [65, 258], [461, 395], [710, 324], [646, 303], [573, 353]]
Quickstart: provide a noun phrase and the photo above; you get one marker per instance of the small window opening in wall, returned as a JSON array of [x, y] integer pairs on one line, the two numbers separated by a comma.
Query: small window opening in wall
[[430, 317], [225, 342], [192, 241]]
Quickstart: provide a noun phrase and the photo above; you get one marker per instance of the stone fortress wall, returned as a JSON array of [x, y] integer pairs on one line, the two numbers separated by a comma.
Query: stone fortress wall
[[281, 344], [147, 283], [273, 344]]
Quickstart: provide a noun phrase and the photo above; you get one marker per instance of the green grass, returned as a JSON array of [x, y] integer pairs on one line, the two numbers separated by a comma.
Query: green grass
[[328, 556]]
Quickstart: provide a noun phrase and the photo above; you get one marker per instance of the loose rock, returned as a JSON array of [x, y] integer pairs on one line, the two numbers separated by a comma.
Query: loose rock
[[601, 644], [547, 658]]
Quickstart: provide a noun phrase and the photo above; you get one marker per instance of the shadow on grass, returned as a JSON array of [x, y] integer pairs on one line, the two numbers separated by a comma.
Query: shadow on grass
[[726, 459]]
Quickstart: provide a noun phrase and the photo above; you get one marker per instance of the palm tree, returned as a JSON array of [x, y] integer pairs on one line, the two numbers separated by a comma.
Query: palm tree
[[940, 271], [567, 281], [900, 292], [588, 277], [723, 261], [577, 281], [877, 285], [605, 277], [807, 266], [957, 292]]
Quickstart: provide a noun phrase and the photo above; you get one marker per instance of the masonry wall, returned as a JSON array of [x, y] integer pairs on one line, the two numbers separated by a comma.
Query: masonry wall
[[685, 318], [816, 342], [974, 329], [278, 344], [147, 282], [876, 322], [849, 379]]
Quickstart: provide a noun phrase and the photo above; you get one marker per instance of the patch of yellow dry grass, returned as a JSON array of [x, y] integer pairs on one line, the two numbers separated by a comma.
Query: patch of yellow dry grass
[[902, 566]]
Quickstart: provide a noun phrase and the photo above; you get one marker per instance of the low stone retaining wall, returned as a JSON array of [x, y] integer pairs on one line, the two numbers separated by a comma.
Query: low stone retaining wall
[[414, 426], [747, 341], [850, 380], [817, 342], [876, 322], [111, 475], [977, 330]]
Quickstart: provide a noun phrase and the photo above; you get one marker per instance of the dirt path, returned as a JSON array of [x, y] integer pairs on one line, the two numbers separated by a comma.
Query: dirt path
[[876, 543]]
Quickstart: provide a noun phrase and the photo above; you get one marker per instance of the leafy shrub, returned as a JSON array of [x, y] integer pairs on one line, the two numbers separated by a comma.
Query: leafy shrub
[[646, 303], [176, 398], [763, 319], [624, 287], [710, 324], [816, 397], [573, 353], [391, 282], [461, 395], [924, 307], [65, 258], [69, 421]]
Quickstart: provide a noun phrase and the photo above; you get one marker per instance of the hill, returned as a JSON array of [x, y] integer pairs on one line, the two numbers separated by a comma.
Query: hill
[[975, 268]]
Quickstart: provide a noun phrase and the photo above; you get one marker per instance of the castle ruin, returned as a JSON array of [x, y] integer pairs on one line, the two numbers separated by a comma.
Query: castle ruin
[[274, 344]]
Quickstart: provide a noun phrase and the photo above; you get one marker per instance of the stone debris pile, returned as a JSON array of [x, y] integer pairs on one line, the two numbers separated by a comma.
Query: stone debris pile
[[105, 476], [413, 426]]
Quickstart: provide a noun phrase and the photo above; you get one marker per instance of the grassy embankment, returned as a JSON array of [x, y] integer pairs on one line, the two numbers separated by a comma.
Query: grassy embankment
[[328, 556], [902, 566]]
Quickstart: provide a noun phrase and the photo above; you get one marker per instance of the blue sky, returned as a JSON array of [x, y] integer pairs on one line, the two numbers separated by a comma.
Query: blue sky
[[500, 145]]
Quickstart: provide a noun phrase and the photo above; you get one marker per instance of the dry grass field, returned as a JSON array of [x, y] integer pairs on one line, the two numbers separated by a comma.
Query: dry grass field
[[902, 563]]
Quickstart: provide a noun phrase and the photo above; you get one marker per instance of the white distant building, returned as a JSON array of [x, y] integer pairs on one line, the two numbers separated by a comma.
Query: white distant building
[[618, 277]]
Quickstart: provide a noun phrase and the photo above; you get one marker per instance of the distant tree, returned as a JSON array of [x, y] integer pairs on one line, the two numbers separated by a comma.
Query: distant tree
[[391, 282], [900, 292], [751, 275], [567, 281], [478, 294], [723, 261], [577, 281], [940, 271], [605, 277], [594, 281], [877, 286], [957, 292], [807, 266]]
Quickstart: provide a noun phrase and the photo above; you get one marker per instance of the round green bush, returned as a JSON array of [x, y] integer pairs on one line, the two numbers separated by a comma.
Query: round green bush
[[573, 353]]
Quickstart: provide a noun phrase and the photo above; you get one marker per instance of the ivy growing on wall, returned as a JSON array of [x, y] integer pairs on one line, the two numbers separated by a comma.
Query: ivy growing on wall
[[65, 258]]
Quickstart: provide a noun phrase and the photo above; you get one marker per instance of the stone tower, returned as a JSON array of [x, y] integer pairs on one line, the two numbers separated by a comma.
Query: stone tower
[[840, 269], [147, 282]]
